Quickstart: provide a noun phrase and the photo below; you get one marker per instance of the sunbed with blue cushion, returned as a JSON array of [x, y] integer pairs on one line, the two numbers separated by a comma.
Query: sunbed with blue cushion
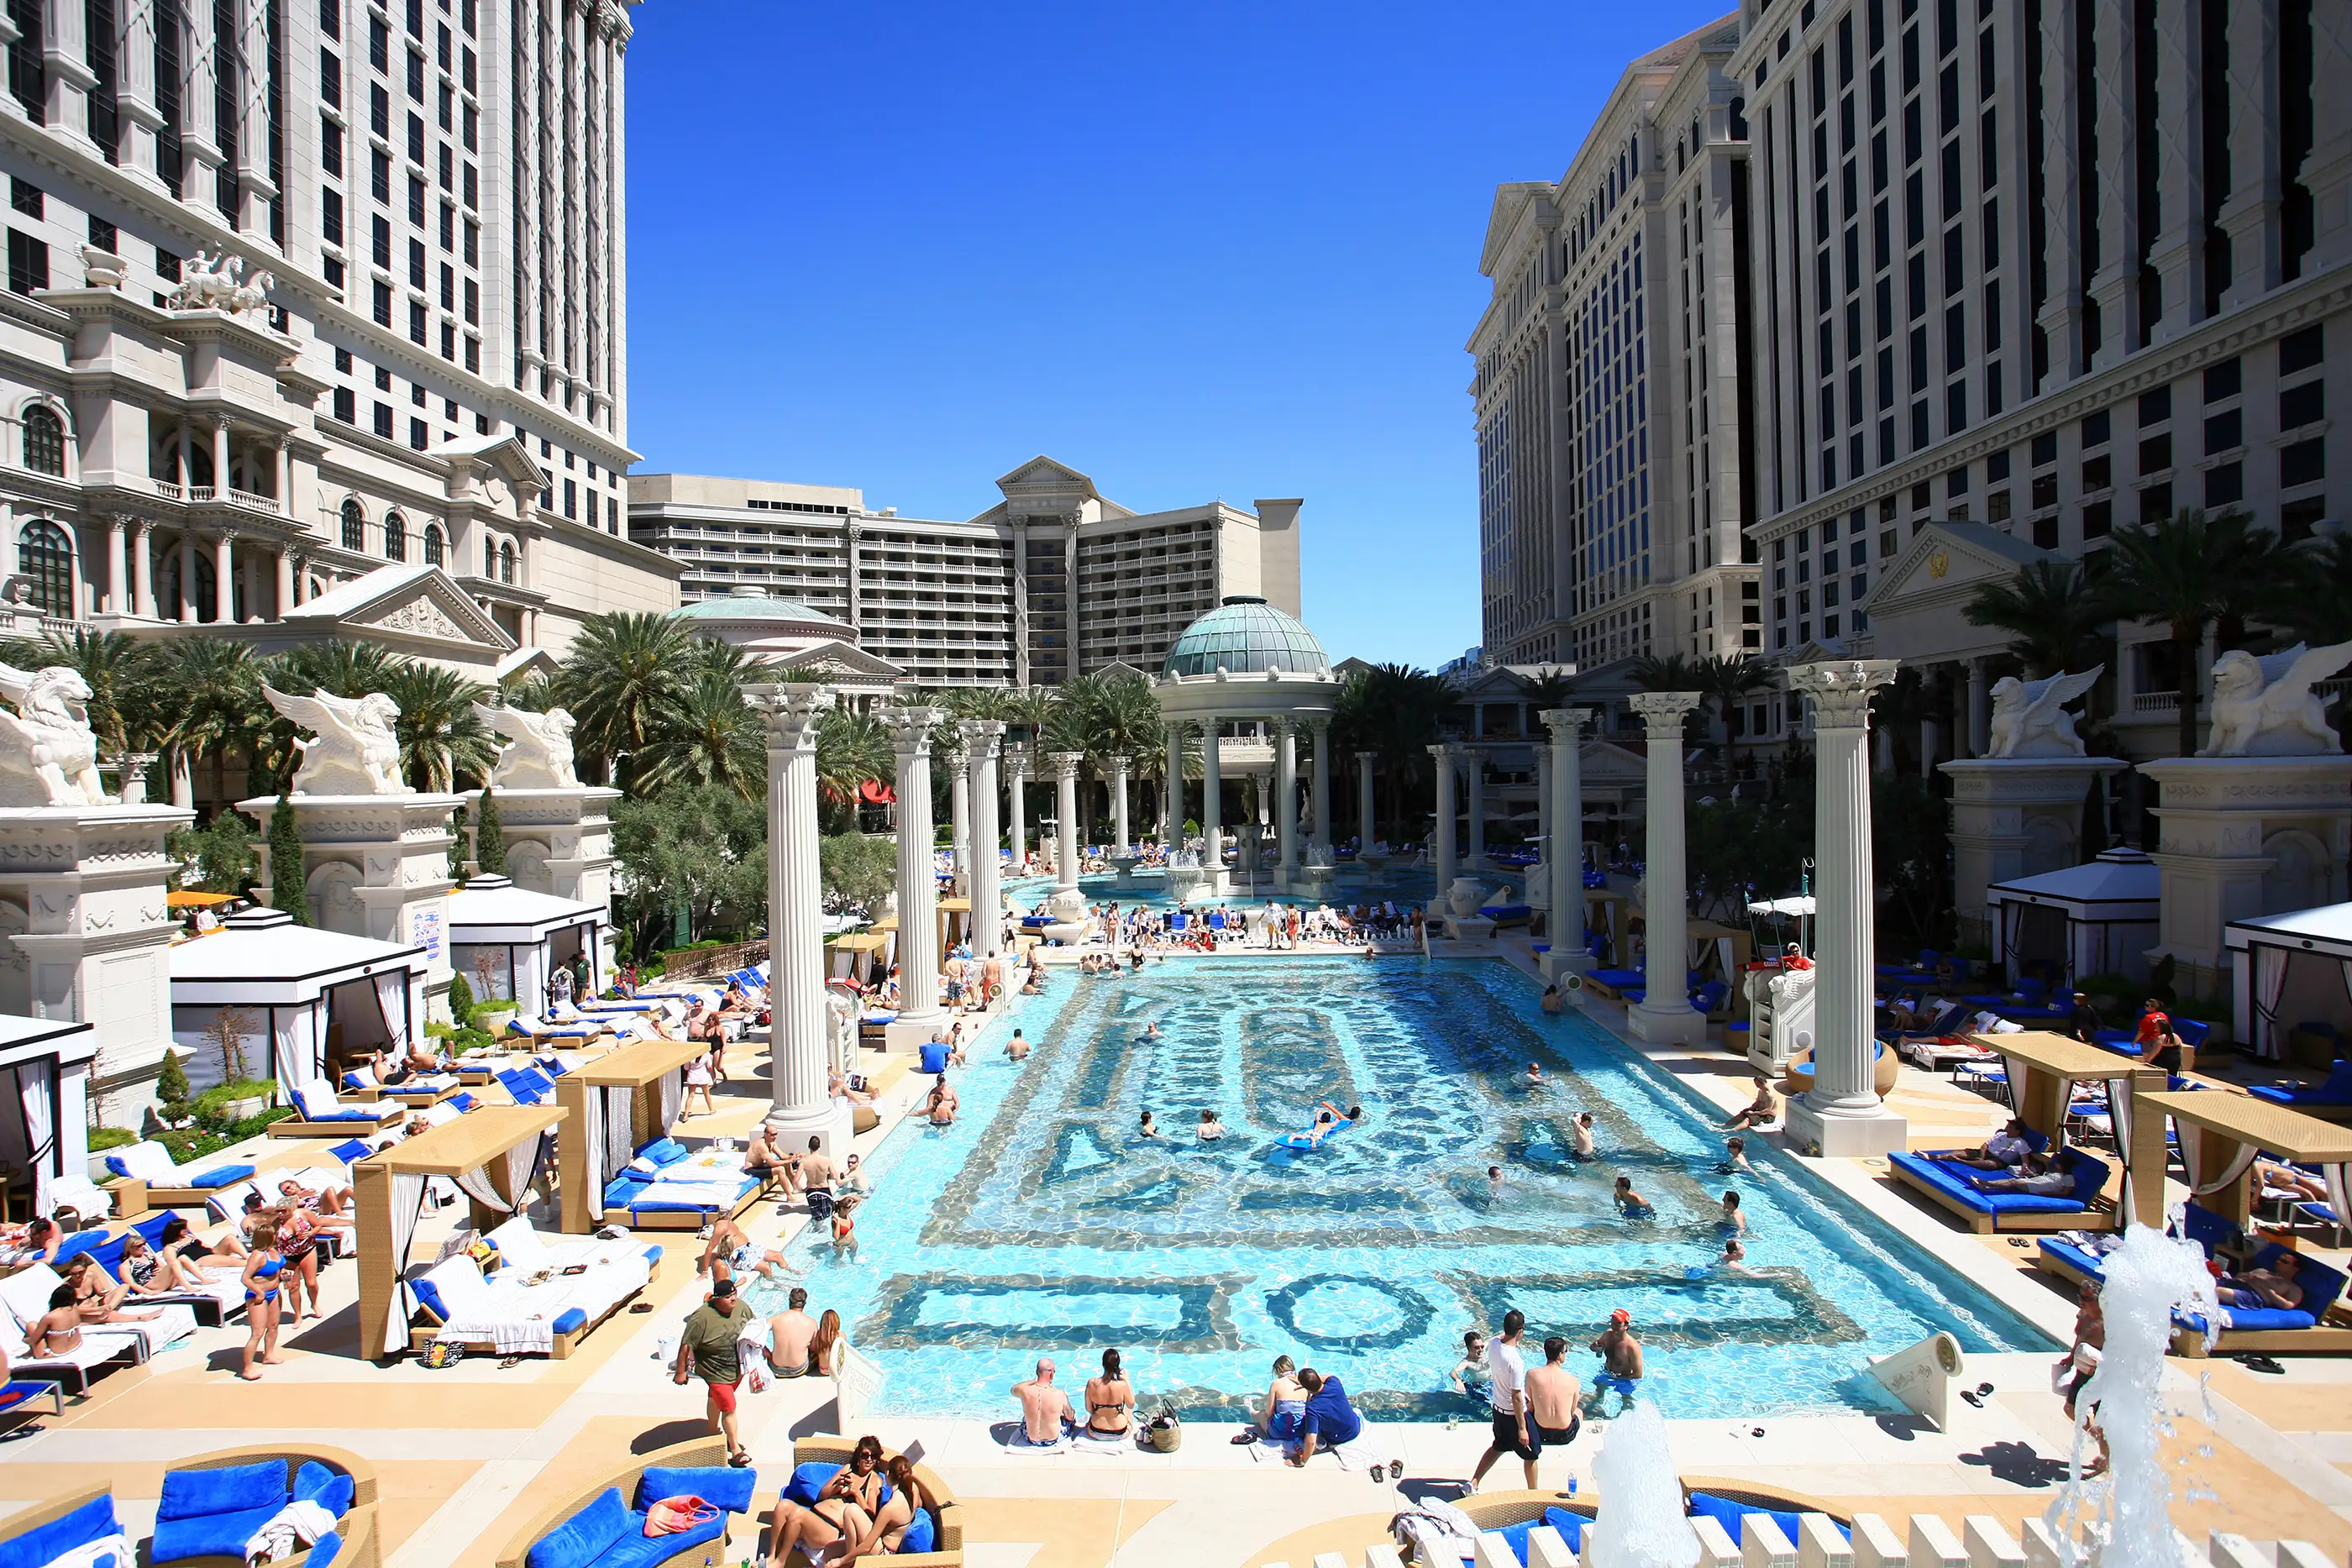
[[1950, 1184], [1616, 982], [528, 1085], [1509, 913], [212, 1512], [2307, 1327], [610, 1530], [210, 1306], [76, 1526], [1728, 1511], [318, 1114], [143, 1176], [2330, 1101]]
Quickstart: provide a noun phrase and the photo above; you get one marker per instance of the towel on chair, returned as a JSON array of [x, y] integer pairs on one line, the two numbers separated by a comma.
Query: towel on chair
[[297, 1524]]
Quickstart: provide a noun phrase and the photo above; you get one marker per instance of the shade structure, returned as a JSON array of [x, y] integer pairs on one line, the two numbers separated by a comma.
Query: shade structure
[[621, 1100], [2097, 918], [297, 1000], [508, 941], [2043, 1069], [44, 1066], [2296, 972], [2221, 1133], [490, 1153]]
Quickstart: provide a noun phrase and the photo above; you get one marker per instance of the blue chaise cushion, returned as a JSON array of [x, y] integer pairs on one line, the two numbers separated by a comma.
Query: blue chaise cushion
[[220, 1176], [587, 1535], [569, 1321], [314, 1482], [663, 1150], [190, 1494], [808, 1481], [919, 1534], [44, 1544], [718, 1484], [1726, 1512], [210, 1534], [323, 1550], [635, 1549]]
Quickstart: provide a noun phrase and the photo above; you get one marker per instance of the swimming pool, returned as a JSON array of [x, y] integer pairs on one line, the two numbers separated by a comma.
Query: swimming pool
[[1041, 1224]]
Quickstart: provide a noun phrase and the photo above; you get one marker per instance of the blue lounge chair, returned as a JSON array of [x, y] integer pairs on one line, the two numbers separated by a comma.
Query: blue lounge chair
[[2331, 1101], [1952, 1186]]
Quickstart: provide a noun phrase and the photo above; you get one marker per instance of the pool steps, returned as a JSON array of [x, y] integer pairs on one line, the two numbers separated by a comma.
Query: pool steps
[[1983, 1542]]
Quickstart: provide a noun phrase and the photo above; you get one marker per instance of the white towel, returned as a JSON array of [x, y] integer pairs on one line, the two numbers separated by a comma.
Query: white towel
[[105, 1551], [298, 1523]]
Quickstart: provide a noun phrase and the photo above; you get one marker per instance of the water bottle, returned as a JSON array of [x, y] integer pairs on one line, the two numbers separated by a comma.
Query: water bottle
[[1572, 1486]]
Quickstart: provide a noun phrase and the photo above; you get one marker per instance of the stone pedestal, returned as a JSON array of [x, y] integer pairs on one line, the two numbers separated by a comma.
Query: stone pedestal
[[83, 933], [2013, 817], [1664, 1013], [376, 866], [2243, 836], [559, 841]]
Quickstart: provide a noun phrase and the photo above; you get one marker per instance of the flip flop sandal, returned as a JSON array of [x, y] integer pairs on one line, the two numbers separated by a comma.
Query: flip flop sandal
[[2019, 1242], [641, 1306], [509, 1363], [1973, 1397], [2262, 1364]]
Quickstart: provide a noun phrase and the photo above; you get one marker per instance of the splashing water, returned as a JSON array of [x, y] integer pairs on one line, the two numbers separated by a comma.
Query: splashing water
[[2125, 1519], [1640, 1522]]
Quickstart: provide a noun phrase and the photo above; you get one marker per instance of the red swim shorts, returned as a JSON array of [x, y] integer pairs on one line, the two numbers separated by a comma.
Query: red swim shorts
[[723, 1395]]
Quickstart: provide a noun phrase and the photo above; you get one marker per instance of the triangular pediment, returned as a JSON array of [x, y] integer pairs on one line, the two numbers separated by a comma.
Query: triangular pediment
[[1949, 561], [836, 660], [1604, 761], [1043, 472], [413, 603]]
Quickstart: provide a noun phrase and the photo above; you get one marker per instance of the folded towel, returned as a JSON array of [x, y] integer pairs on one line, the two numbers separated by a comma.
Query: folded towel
[[295, 1525]]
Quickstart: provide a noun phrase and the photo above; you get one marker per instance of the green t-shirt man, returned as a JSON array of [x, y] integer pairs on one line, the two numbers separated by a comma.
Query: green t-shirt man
[[710, 1334]]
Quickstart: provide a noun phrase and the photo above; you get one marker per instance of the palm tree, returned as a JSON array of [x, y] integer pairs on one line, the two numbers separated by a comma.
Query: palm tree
[[852, 749], [210, 688], [624, 672], [122, 675], [2050, 611], [708, 737], [1674, 673], [2312, 598], [2181, 571], [334, 667], [439, 736], [1724, 681], [1395, 712]]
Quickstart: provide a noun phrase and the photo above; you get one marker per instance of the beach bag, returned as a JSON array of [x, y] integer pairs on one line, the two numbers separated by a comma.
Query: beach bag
[[1166, 1433], [674, 1515], [442, 1354]]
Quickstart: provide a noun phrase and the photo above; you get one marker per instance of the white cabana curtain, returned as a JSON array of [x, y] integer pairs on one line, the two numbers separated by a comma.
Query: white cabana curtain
[[619, 1106], [669, 1093], [2339, 1189], [2119, 1118], [407, 1208], [392, 1002], [36, 1088], [2192, 1159], [291, 1061], [590, 1133], [2270, 981]]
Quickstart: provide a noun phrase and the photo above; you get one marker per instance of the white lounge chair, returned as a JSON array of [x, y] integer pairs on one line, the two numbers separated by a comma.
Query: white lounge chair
[[25, 1301]]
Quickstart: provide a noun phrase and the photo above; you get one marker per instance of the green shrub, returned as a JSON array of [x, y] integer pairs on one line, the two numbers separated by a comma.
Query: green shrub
[[212, 1105], [489, 837], [104, 1138], [461, 998], [469, 1040], [187, 1143], [289, 878], [171, 1088], [253, 1126]]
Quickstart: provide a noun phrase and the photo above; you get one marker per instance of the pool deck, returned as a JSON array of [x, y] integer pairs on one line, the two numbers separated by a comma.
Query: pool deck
[[468, 1454]]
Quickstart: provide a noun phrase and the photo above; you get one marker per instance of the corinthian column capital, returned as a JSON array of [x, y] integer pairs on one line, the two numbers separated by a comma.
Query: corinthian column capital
[[910, 729], [1663, 712], [1840, 689], [791, 711], [1567, 725]]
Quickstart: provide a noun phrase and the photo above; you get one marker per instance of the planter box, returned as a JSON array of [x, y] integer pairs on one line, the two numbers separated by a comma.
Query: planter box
[[240, 1110], [492, 1020]]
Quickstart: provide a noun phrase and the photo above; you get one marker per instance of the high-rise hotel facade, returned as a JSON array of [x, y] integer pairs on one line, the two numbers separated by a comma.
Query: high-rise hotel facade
[[2019, 273], [432, 373]]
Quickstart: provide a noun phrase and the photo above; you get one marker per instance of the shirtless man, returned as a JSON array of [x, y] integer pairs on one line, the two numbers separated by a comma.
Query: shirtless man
[[940, 1109], [789, 1334], [1579, 1132], [1533, 1077], [1045, 1409], [1620, 1361], [2272, 1287], [1553, 1393], [1765, 1107], [816, 1179], [761, 1157], [1017, 1048]]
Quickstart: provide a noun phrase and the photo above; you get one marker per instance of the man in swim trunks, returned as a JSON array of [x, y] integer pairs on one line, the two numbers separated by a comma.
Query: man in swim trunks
[[1046, 1412], [1620, 1361], [816, 1178], [706, 1349], [789, 1334], [1579, 1132], [1631, 1205], [1765, 1107], [1552, 1395], [1514, 1425], [1017, 1048], [2272, 1287], [1469, 1374]]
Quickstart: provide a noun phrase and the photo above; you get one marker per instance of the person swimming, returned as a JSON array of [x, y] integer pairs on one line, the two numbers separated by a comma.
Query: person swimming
[[1630, 1204]]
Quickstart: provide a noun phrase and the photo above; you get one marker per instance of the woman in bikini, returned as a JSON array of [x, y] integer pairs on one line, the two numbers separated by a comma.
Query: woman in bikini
[[842, 1509], [888, 1524], [1111, 1400], [297, 1244], [827, 1345], [263, 1267], [147, 1272]]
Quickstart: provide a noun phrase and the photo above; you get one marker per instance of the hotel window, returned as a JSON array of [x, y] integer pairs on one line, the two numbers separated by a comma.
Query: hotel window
[[44, 559], [44, 441], [354, 526], [396, 537]]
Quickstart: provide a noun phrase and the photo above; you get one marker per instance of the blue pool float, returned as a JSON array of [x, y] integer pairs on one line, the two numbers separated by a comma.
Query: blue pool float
[[1312, 1137]]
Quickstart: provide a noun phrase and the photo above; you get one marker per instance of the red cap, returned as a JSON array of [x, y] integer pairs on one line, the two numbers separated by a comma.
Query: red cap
[[1621, 1316]]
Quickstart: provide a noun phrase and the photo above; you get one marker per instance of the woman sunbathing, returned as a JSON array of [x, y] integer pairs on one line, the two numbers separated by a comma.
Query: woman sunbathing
[[56, 1332], [97, 1297], [843, 1509]]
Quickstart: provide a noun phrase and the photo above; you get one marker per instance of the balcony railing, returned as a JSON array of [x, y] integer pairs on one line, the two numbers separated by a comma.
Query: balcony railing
[[252, 502], [168, 490], [2154, 703]]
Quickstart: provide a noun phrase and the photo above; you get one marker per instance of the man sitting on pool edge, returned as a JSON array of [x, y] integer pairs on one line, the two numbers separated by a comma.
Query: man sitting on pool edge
[[1329, 1421]]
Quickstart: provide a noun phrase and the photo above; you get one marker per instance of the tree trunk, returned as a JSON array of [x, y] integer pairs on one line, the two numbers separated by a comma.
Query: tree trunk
[[2184, 653]]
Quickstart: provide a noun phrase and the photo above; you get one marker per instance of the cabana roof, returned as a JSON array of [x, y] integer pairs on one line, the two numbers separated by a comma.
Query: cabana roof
[[2115, 877], [468, 1142], [2326, 929], [31, 1040], [2259, 1122], [2063, 1056], [641, 1063], [260, 956], [493, 909]]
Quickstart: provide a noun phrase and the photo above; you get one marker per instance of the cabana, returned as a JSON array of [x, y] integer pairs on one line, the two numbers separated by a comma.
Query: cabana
[[616, 1105], [863, 957], [2295, 979], [508, 941], [2097, 918], [2221, 1136], [2042, 1069], [492, 1154], [44, 1066], [298, 1000]]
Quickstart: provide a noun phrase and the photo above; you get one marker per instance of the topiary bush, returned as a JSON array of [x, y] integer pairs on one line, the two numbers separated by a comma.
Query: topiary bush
[[171, 1088]]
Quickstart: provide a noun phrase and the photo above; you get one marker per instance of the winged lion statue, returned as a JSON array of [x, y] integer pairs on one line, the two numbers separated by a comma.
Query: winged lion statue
[[353, 747], [537, 753], [2030, 718], [48, 755], [2263, 704]]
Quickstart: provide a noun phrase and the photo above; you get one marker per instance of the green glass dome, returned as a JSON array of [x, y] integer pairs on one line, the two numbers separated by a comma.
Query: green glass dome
[[745, 603], [1246, 636]]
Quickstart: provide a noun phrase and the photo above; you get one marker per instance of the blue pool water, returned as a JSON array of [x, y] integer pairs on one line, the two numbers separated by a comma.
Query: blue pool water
[[1040, 1224]]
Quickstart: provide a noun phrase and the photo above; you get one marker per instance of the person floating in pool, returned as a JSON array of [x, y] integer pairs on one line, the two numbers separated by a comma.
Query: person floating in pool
[[1147, 1128], [1495, 1179], [1210, 1129], [1734, 1260], [1631, 1205], [1620, 1363], [1533, 1077]]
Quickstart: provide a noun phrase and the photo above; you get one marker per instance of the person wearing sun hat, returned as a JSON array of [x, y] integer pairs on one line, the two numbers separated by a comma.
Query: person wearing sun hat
[[1620, 1361]]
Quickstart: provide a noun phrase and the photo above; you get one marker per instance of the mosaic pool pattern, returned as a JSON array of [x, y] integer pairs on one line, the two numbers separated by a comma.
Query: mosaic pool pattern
[[1042, 1224]]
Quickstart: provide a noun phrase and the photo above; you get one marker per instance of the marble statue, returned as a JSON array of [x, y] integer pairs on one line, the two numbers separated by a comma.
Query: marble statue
[[2030, 718], [537, 753], [217, 282], [2263, 705], [352, 749], [48, 755]]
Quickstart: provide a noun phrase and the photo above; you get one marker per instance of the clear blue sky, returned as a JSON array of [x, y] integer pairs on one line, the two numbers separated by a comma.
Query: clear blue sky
[[1214, 250]]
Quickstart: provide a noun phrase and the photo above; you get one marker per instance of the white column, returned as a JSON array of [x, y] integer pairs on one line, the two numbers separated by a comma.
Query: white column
[[1539, 886], [2327, 170], [142, 568], [1564, 850], [118, 562], [1016, 775], [982, 740], [798, 1055], [225, 578], [1841, 1113], [1067, 900], [1474, 761], [1442, 842], [64, 50], [919, 882], [2251, 216], [220, 459], [1980, 710], [187, 578], [1285, 809], [1664, 1013], [1365, 761], [1213, 789], [1119, 764], [285, 582], [959, 808], [284, 474], [1171, 791], [1323, 785]]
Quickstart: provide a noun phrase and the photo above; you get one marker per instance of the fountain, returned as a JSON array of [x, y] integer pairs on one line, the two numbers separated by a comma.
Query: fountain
[[1640, 1522], [1313, 881], [2125, 1519], [1186, 876]]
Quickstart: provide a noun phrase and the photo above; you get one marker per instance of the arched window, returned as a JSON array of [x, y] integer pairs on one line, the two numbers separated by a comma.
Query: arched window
[[434, 550], [45, 560], [489, 558], [396, 537], [354, 526], [505, 563], [44, 441]]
